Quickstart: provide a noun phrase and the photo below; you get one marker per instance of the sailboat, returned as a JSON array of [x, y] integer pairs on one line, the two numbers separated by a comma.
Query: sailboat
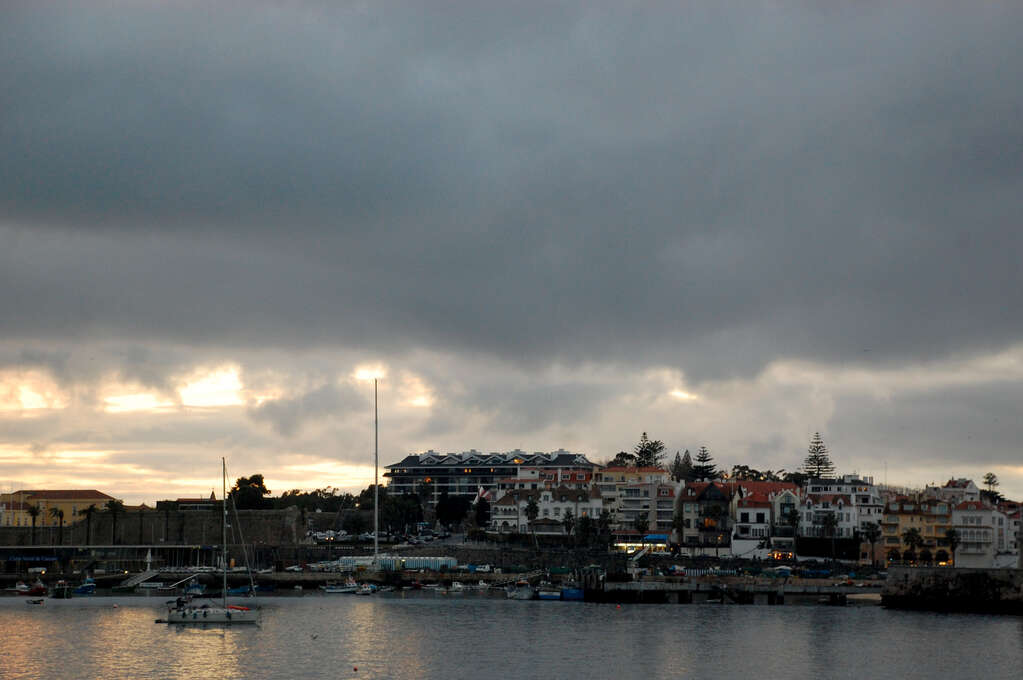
[[184, 610]]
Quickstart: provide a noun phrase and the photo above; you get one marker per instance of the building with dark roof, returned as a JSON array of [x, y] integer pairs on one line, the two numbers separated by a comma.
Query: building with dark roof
[[464, 474]]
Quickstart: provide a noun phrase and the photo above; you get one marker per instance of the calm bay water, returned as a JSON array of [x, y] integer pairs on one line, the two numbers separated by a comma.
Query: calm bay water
[[471, 636]]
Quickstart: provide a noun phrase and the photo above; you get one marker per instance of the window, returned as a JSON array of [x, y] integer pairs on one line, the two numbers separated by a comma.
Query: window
[[760, 518], [744, 517]]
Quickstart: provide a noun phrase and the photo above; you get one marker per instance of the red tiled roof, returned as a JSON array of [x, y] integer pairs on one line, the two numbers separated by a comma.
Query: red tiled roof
[[756, 500], [763, 487], [635, 470]]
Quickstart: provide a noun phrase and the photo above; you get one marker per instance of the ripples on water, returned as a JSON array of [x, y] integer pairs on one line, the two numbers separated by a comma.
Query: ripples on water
[[479, 638]]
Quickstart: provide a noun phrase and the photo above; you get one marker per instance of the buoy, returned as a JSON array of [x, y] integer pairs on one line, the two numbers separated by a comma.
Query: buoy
[[618, 606], [356, 668], [115, 606]]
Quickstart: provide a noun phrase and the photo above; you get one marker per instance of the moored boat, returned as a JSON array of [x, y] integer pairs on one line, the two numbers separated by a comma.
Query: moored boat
[[521, 590], [37, 588], [548, 591], [572, 593], [61, 590], [87, 587], [183, 610], [349, 587]]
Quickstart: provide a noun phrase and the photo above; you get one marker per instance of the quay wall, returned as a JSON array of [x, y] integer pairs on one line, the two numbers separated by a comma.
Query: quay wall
[[154, 527], [954, 590]]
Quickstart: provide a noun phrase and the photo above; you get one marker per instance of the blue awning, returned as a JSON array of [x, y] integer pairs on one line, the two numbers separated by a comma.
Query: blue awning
[[656, 537]]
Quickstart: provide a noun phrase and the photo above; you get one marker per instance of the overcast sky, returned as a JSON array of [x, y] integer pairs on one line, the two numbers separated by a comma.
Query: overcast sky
[[543, 224]]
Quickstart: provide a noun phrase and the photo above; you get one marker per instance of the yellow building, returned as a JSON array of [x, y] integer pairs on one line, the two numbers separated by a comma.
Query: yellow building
[[14, 506], [931, 517]]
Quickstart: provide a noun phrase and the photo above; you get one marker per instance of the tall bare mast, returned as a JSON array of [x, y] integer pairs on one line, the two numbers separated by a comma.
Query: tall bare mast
[[223, 528], [376, 483]]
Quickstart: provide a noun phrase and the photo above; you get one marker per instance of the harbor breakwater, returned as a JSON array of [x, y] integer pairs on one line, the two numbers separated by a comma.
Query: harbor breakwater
[[989, 591]]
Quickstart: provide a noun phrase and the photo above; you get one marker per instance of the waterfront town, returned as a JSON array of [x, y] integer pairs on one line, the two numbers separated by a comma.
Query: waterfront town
[[639, 502]]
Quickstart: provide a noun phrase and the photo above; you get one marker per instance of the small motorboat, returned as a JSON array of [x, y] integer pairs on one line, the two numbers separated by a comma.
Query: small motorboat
[[37, 588], [61, 590], [87, 587], [349, 587], [39, 601]]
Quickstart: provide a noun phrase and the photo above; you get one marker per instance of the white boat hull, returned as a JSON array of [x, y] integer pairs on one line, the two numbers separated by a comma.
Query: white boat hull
[[212, 615], [521, 593]]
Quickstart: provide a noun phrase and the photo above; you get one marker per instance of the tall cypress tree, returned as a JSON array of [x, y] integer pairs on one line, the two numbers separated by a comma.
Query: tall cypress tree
[[704, 467], [682, 467], [818, 462]]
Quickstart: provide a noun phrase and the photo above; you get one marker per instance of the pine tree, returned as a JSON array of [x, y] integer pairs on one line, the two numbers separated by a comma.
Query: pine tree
[[704, 467], [682, 467], [818, 463], [649, 452]]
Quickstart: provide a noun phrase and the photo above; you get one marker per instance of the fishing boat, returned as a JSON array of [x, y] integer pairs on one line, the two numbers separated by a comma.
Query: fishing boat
[[184, 610], [366, 589], [521, 590], [571, 592], [548, 591], [349, 587]]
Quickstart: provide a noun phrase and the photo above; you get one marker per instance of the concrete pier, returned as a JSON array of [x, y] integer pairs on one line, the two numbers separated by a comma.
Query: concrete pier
[[947, 589]]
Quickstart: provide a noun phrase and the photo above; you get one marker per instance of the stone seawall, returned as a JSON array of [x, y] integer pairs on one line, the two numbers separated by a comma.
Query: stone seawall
[[954, 590], [271, 527]]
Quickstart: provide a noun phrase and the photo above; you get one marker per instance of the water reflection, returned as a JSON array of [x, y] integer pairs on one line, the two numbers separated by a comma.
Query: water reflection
[[474, 637]]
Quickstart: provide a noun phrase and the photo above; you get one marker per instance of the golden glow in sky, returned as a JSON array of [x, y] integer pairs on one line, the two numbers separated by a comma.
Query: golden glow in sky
[[29, 390], [139, 401], [219, 387], [370, 372]]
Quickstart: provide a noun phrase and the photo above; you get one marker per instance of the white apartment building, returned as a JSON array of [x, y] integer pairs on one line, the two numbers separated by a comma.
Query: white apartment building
[[976, 524], [854, 500]]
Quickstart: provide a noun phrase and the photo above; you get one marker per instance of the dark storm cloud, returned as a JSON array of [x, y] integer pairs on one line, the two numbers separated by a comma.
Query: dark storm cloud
[[955, 428], [707, 187], [287, 415]]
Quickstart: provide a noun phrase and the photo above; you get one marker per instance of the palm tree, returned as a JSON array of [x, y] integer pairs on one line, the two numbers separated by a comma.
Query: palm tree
[[952, 536], [89, 512], [33, 512], [792, 517], [114, 507], [913, 539], [568, 521], [532, 510], [872, 533], [604, 527], [59, 514]]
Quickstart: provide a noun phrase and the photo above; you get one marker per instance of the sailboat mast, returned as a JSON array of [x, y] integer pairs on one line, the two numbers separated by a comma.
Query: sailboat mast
[[223, 530], [376, 483]]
